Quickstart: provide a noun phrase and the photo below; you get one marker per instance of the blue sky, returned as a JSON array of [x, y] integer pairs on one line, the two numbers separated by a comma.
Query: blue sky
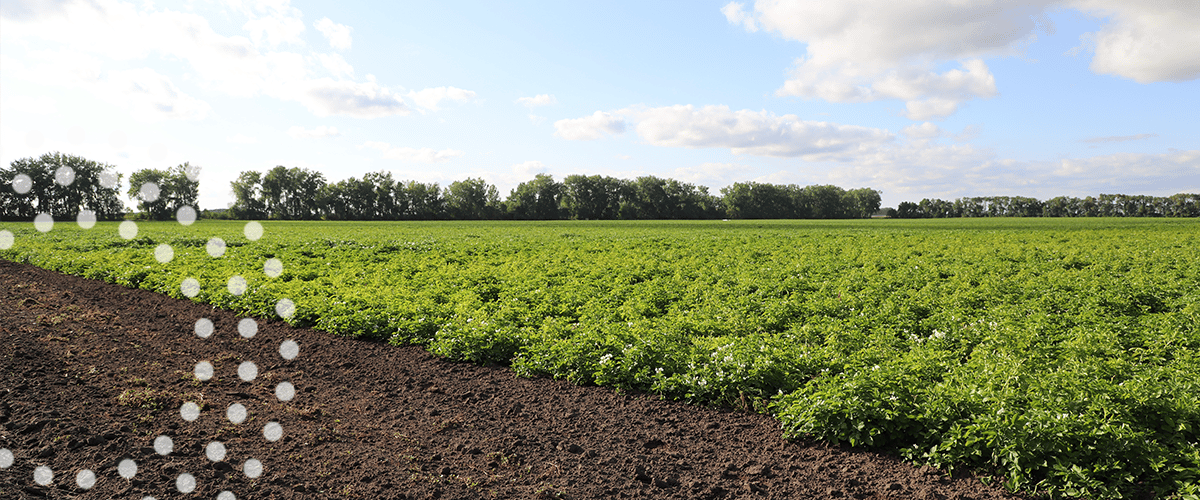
[[918, 98]]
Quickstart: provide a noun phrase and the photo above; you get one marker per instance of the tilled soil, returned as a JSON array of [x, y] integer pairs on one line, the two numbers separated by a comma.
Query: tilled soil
[[91, 374]]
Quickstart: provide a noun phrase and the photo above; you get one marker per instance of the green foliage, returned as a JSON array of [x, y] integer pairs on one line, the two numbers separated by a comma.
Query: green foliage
[[1057, 355], [160, 193], [89, 186]]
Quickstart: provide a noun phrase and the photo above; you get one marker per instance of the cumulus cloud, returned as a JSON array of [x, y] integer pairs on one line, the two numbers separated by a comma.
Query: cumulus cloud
[[589, 127], [299, 132], [529, 168], [1144, 41], [1118, 138], [925, 130], [337, 34], [273, 31], [537, 100], [325, 97], [241, 139], [1132, 169], [151, 96], [758, 133], [736, 15], [336, 65], [419, 155], [430, 97]]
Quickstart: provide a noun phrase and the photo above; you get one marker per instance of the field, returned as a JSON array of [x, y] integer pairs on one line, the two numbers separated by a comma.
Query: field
[[1058, 355]]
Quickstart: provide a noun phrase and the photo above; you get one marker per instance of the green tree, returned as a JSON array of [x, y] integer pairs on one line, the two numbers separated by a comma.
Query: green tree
[[61, 186], [293, 193], [536, 199], [472, 199], [248, 198], [160, 193]]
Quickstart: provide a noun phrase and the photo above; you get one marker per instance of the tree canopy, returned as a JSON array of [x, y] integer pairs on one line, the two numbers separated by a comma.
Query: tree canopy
[[61, 185]]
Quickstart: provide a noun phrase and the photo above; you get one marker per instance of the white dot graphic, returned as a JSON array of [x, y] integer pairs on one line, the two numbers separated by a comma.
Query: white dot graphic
[[190, 287], [43, 222], [273, 431], [64, 176], [43, 476], [128, 230], [86, 219], [236, 285], [163, 445], [247, 327], [215, 451], [164, 253], [253, 231], [185, 215], [6, 239], [6, 458], [108, 180], [236, 413], [273, 268], [285, 391], [189, 411], [85, 479], [285, 308], [289, 349], [215, 247], [127, 468], [226, 495], [252, 468], [204, 328], [149, 192], [22, 183], [204, 370], [247, 371], [185, 483]]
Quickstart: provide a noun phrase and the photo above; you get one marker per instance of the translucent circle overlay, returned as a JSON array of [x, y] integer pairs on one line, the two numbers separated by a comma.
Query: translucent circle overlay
[[285, 308], [203, 371], [185, 215], [273, 268], [43, 476], [6, 239], [190, 287], [127, 468], [215, 247], [6, 458], [248, 371], [64, 176], [247, 327], [252, 468], [108, 180], [273, 431], [226, 495], [43, 222], [289, 349], [149, 192], [204, 328], [85, 479], [86, 219], [128, 230], [236, 285], [215, 451], [163, 445], [163, 253], [22, 183], [185, 483], [236, 413], [285, 391], [189, 411], [253, 230]]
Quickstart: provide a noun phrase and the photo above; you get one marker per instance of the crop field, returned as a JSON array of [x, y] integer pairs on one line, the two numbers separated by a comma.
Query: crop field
[[1059, 356]]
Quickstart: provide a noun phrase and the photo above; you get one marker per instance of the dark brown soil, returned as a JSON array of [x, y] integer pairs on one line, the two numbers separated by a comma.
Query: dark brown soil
[[91, 373]]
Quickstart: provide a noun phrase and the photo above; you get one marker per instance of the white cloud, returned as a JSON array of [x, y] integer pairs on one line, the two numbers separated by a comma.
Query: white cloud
[[325, 97], [925, 130], [336, 65], [273, 31], [537, 120], [758, 133], [735, 14], [712, 174], [241, 139], [150, 96], [538, 100], [589, 127], [420, 155], [1145, 41], [529, 168], [430, 97], [1125, 170], [299, 132], [337, 34]]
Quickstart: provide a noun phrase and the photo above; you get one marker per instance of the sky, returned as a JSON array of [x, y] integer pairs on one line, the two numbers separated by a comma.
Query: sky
[[915, 98]]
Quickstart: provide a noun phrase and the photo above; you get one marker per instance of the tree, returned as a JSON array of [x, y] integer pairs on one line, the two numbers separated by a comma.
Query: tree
[[592, 197], [535, 199], [160, 193], [248, 199], [292, 193], [61, 186], [472, 199]]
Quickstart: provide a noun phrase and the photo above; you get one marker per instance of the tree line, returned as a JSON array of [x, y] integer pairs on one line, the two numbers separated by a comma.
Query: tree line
[[302, 194], [1105, 205]]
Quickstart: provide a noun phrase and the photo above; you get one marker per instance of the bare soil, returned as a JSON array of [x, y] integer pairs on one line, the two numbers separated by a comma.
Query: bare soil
[[92, 373]]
